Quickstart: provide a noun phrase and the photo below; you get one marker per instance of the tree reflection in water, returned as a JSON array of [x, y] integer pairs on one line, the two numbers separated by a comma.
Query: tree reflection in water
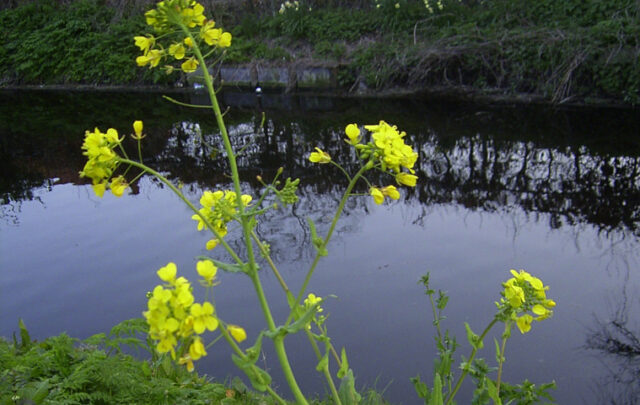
[[617, 338], [573, 171]]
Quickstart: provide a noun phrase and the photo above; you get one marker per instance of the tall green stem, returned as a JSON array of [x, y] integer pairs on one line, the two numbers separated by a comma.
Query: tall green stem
[[246, 227], [505, 336], [469, 363]]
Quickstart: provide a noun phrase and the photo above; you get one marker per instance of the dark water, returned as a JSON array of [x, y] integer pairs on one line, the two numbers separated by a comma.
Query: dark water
[[555, 192]]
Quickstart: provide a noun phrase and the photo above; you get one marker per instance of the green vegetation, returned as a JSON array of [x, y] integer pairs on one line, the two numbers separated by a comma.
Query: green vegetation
[[64, 370], [561, 50]]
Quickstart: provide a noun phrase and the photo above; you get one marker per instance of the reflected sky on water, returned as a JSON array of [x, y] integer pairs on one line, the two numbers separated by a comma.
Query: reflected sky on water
[[553, 192]]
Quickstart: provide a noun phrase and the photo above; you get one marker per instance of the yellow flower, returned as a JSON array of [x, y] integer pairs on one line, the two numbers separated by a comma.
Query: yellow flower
[[391, 192], [203, 318], [190, 65], [144, 43], [311, 300], [209, 34], [137, 128], [319, 156], [188, 42], [152, 58], [159, 297], [237, 332], [514, 294], [118, 186], [524, 323], [168, 273], [197, 350], [378, 196], [353, 133], [99, 189], [177, 51], [207, 270], [212, 243], [193, 16], [186, 359], [406, 179], [225, 40]]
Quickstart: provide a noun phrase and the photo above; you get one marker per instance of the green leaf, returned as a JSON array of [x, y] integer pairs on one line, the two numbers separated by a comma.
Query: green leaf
[[493, 392], [472, 338], [436, 393], [421, 388], [259, 378], [347, 391], [302, 320], [323, 363], [25, 339], [317, 241], [38, 391], [344, 364], [253, 353]]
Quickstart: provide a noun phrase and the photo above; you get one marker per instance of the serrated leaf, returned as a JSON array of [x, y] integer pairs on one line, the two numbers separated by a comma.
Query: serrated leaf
[[421, 388], [436, 393]]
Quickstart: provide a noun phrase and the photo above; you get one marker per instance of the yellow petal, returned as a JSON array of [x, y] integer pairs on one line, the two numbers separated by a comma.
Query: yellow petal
[[237, 332]]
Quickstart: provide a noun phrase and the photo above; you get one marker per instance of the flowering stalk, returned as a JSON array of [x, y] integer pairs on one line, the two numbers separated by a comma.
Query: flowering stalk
[[246, 228]]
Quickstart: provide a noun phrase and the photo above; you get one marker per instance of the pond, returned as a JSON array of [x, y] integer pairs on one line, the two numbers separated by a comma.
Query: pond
[[552, 191]]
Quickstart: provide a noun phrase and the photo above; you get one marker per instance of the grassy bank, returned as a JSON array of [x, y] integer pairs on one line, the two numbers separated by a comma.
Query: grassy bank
[[64, 370], [560, 50]]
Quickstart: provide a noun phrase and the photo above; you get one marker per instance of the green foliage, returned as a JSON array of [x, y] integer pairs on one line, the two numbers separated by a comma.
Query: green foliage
[[68, 371], [562, 50], [486, 389], [84, 42], [247, 50]]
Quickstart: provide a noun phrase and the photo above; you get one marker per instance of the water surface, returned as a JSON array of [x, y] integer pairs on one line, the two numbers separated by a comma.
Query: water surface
[[555, 192]]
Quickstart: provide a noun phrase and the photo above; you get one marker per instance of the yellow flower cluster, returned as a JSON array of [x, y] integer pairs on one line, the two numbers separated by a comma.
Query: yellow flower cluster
[[308, 303], [173, 316], [386, 151], [185, 14], [219, 208], [102, 161], [523, 293]]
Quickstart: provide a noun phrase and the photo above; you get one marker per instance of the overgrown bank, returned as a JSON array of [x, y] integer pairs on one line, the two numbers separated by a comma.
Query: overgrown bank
[[573, 50]]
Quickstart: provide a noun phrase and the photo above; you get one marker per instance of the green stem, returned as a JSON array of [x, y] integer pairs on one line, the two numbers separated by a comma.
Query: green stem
[[469, 362], [325, 369], [501, 360], [173, 100], [272, 265], [436, 317], [346, 195], [246, 227]]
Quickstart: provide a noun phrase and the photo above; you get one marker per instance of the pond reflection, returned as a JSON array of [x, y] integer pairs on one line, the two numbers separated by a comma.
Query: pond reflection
[[554, 192]]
